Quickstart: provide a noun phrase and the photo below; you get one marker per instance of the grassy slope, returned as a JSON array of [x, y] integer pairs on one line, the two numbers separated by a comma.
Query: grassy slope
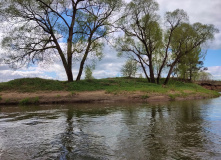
[[111, 85]]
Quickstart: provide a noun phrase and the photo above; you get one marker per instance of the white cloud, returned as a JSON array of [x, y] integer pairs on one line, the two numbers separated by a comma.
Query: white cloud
[[215, 71], [7, 74]]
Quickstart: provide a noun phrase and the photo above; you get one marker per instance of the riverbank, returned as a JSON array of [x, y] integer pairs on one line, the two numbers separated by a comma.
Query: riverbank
[[42, 91]]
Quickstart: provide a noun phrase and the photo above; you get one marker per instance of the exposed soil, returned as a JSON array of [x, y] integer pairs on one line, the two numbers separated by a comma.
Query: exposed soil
[[211, 86], [54, 97]]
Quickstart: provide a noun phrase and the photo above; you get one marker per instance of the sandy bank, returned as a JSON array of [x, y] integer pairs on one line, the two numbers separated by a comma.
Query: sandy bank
[[55, 97]]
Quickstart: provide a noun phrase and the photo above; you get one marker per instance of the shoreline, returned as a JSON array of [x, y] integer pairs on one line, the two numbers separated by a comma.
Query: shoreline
[[64, 97]]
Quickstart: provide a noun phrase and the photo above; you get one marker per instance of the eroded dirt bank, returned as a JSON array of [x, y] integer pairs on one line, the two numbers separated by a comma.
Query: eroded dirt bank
[[211, 86], [54, 97]]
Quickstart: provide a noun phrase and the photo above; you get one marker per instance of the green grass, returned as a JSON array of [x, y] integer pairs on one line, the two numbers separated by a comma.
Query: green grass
[[110, 85], [24, 101]]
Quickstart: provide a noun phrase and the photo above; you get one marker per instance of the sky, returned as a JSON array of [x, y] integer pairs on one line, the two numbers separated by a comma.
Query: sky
[[204, 11]]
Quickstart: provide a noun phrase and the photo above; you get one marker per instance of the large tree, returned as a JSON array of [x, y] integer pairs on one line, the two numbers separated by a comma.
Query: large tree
[[156, 47], [67, 28], [143, 35], [186, 39]]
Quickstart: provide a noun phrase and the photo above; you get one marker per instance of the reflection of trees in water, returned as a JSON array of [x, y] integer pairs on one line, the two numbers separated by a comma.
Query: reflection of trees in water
[[161, 132], [76, 143]]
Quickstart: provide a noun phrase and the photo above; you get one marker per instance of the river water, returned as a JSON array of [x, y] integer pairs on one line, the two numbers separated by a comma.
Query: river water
[[174, 130]]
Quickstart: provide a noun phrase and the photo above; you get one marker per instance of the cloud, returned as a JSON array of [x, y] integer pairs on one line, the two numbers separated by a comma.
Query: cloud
[[203, 11], [7, 74], [215, 71]]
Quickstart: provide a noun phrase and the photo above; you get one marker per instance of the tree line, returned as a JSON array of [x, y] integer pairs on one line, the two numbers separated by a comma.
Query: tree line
[[74, 30]]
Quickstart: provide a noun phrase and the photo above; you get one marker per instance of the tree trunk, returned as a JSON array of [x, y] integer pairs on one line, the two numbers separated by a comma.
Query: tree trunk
[[84, 59], [69, 74], [152, 79], [81, 67], [169, 73], [144, 70]]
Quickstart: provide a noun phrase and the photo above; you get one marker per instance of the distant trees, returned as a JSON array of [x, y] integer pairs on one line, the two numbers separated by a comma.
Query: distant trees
[[159, 48], [204, 76], [70, 29], [129, 69]]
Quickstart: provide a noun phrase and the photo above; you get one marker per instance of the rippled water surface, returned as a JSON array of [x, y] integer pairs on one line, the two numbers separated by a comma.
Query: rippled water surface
[[176, 130]]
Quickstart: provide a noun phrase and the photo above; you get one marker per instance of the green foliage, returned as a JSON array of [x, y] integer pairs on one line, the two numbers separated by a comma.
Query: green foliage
[[129, 69], [172, 97], [36, 100], [88, 73], [24, 101], [0, 98]]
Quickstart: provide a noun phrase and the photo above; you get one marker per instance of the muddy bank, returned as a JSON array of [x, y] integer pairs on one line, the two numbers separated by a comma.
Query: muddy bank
[[56, 97], [211, 86]]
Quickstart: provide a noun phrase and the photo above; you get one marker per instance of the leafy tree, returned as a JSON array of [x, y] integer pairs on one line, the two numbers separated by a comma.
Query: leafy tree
[[88, 73], [129, 69], [143, 35], [160, 48], [69, 29], [186, 39], [189, 65]]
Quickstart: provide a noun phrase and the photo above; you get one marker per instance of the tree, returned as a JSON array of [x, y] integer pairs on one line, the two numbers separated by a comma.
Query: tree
[[186, 39], [189, 65], [129, 69], [160, 48], [65, 28], [88, 73], [143, 35]]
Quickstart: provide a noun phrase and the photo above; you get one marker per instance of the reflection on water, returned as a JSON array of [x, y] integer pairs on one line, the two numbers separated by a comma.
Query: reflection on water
[[177, 130]]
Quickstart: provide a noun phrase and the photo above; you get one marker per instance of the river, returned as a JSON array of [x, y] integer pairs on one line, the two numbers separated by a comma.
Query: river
[[136, 131]]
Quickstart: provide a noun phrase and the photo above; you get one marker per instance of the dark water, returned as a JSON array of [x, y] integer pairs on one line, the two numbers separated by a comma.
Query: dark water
[[177, 130]]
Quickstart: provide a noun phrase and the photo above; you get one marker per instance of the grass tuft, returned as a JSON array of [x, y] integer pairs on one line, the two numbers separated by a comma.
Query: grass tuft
[[24, 101]]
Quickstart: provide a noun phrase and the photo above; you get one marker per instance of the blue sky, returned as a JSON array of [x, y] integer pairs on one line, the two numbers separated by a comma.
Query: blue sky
[[213, 58]]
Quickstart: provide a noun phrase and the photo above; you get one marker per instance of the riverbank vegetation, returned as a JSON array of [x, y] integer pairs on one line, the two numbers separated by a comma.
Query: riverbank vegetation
[[110, 85]]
